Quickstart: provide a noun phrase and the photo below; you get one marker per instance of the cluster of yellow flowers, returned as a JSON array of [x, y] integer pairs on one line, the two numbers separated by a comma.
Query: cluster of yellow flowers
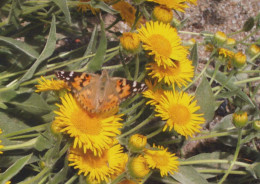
[[95, 150]]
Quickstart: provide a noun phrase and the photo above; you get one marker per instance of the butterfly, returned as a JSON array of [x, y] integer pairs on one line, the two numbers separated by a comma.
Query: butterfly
[[99, 93]]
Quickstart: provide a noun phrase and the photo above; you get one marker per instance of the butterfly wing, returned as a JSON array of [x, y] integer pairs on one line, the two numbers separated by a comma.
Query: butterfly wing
[[83, 87]]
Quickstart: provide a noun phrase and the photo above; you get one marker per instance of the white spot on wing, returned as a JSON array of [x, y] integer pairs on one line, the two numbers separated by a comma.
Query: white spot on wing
[[134, 84]]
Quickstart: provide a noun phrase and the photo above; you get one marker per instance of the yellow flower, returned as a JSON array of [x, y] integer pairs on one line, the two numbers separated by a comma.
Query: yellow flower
[[130, 41], [178, 5], [225, 53], [85, 7], [1, 146], [127, 12], [178, 109], [180, 74], [47, 85], [137, 142], [240, 119], [121, 167], [161, 159], [137, 167], [97, 168], [90, 131], [163, 14], [162, 41]]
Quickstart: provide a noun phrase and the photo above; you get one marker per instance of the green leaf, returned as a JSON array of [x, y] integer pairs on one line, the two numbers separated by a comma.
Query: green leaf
[[60, 177], [14, 14], [103, 6], [96, 63], [7, 95], [14, 169], [47, 52], [32, 103], [91, 46], [194, 55], [27, 49], [188, 175], [64, 7], [206, 99], [222, 79], [249, 24]]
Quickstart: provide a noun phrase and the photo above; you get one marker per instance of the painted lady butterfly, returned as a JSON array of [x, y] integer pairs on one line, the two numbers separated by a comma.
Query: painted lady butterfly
[[99, 93]]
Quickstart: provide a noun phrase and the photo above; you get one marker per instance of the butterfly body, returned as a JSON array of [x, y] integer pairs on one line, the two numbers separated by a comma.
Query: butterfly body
[[99, 93]]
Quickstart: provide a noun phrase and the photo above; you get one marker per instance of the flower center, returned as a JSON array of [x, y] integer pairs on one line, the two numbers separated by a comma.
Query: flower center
[[161, 45], [85, 123], [180, 114], [160, 159], [96, 161]]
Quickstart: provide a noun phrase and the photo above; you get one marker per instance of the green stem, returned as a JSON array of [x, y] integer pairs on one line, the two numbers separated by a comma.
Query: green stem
[[221, 171], [72, 179], [27, 130], [139, 126], [235, 157], [137, 63], [133, 107], [25, 136], [223, 86], [201, 73], [26, 145], [119, 178], [135, 117], [215, 161], [198, 34], [37, 177], [156, 132]]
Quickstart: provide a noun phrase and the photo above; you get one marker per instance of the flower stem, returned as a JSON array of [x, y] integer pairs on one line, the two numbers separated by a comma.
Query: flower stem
[[26, 145], [235, 157], [137, 127], [137, 62], [159, 130]]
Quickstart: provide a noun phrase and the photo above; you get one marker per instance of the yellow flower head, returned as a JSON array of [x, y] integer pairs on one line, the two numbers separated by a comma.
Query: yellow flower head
[[240, 119], [231, 42], [163, 14], [85, 7], [162, 41], [220, 37], [1, 146], [47, 85], [178, 5], [161, 159], [225, 53], [121, 167], [97, 168], [138, 167], [130, 41], [178, 109], [127, 12], [180, 74], [90, 131]]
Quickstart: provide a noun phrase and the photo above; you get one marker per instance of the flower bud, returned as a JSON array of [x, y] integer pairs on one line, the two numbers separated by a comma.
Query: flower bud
[[254, 49], [231, 42], [130, 42], [220, 37], [137, 142], [138, 167], [256, 125], [239, 60], [163, 14], [240, 119]]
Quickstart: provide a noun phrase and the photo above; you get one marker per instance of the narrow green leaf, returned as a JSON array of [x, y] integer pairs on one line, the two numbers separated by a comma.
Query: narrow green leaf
[[32, 103], [24, 47], [14, 169], [91, 46], [64, 8], [60, 177], [103, 6], [222, 79], [96, 63], [206, 99], [14, 14], [194, 55], [188, 175], [47, 52]]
